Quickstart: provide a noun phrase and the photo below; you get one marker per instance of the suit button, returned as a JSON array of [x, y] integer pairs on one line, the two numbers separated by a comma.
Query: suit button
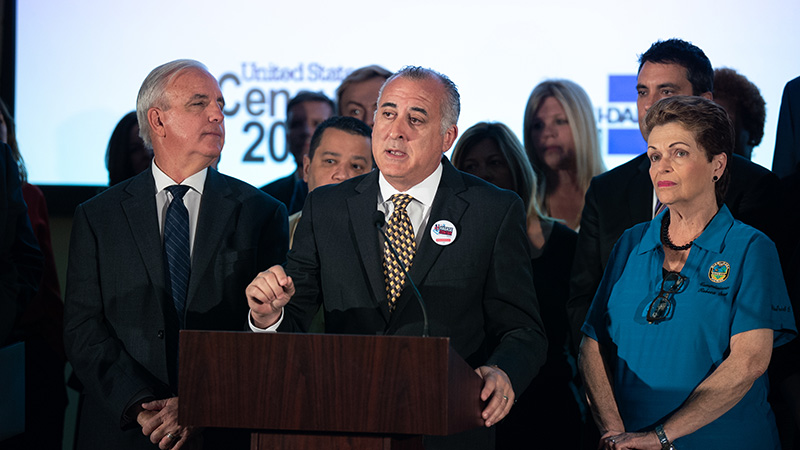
[[161, 334]]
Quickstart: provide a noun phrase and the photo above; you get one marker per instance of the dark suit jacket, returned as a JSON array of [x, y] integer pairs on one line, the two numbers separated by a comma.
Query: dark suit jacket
[[623, 197], [20, 259], [786, 159], [289, 191], [785, 360], [119, 317], [479, 289]]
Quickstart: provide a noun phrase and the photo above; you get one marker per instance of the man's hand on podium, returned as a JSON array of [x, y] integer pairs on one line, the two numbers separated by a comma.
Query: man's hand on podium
[[497, 386]]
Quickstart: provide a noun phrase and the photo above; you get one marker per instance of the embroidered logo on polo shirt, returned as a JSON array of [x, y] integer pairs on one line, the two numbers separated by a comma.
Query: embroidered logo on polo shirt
[[719, 271]]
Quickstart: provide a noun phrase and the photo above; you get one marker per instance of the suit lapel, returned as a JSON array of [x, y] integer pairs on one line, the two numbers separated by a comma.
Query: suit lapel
[[361, 208], [216, 209], [447, 205], [140, 211]]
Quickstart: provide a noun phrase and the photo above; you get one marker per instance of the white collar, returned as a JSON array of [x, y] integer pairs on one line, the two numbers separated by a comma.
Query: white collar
[[423, 192], [196, 181]]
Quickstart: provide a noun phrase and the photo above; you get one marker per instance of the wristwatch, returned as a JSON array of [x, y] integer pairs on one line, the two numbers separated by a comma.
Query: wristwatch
[[662, 437]]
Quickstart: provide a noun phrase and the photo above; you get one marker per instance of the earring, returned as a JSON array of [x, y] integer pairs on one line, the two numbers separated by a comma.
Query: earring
[[716, 178]]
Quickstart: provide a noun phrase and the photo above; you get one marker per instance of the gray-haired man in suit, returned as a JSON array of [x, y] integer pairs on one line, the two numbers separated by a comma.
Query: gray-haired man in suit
[[172, 248]]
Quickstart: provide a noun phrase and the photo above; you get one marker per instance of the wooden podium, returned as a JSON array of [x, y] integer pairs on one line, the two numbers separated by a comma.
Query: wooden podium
[[315, 391]]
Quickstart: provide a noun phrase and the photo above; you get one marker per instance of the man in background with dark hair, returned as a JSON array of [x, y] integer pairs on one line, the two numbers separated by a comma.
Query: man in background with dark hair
[[341, 148], [304, 112], [624, 196]]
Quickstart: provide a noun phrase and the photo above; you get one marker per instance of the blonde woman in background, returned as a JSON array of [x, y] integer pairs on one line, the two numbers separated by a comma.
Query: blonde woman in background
[[561, 143], [548, 409]]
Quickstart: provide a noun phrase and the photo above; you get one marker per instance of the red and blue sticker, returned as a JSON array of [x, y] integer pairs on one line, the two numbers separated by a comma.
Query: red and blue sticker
[[443, 232]]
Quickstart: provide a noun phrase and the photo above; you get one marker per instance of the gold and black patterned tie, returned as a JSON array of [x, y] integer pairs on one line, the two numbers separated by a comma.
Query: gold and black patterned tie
[[401, 234]]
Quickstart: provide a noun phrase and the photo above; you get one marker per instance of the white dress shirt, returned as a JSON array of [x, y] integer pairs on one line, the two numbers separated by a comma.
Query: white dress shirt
[[419, 210], [191, 199]]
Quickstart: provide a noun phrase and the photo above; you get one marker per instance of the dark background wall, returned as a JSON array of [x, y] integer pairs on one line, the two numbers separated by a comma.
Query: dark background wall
[[61, 202]]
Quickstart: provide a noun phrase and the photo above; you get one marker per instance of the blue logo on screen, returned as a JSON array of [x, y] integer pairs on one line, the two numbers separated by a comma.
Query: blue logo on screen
[[622, 88], [624, 137]]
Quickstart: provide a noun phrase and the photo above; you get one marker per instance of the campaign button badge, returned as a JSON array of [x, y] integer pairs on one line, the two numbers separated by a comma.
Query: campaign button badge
[[443, 232]]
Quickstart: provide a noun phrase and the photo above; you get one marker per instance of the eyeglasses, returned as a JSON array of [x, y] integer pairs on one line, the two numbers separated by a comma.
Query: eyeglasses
[[661, 307]]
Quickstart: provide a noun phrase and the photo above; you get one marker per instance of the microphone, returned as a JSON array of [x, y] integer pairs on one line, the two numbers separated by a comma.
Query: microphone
[[379, 220]]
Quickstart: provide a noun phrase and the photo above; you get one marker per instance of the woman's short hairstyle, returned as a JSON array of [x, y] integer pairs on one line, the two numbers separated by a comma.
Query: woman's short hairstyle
[[580, 115], [153, 92], [522, 176], [706, 120], [357, 76], [11, 140]]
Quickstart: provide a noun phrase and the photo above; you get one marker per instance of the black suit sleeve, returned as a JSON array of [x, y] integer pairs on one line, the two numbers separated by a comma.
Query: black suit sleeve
[[304, 266], [106, 367], [754, 196], [787, 141], [274, 242]]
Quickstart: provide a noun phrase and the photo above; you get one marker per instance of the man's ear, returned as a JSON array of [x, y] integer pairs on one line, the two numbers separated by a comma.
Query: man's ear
[[154, 119], [306, 166], [450, 137]]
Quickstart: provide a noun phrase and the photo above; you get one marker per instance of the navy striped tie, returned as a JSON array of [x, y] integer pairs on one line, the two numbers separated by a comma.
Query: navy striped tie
[[176, 248]]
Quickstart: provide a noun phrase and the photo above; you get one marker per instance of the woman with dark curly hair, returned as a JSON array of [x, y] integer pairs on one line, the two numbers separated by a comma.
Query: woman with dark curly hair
[[745, 106]]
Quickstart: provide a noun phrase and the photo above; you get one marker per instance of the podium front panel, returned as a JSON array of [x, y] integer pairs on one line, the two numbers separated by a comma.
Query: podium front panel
[[323, 382]]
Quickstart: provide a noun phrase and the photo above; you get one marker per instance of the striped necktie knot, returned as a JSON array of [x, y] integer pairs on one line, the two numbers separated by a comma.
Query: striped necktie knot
[[178, 191]]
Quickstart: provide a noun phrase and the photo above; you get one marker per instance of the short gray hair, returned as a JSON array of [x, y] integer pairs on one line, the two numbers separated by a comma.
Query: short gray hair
[[451, 106], [153, 92]]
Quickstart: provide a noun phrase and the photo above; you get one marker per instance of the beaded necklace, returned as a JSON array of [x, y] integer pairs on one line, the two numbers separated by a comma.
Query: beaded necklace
[[665, 236]]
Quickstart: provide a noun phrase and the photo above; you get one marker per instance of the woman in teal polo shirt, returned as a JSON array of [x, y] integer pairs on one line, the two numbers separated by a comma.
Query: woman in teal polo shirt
[[680, 332]]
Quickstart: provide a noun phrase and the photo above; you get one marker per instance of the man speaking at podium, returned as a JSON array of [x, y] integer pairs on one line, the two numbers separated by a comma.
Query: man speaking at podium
[[463, 241]]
